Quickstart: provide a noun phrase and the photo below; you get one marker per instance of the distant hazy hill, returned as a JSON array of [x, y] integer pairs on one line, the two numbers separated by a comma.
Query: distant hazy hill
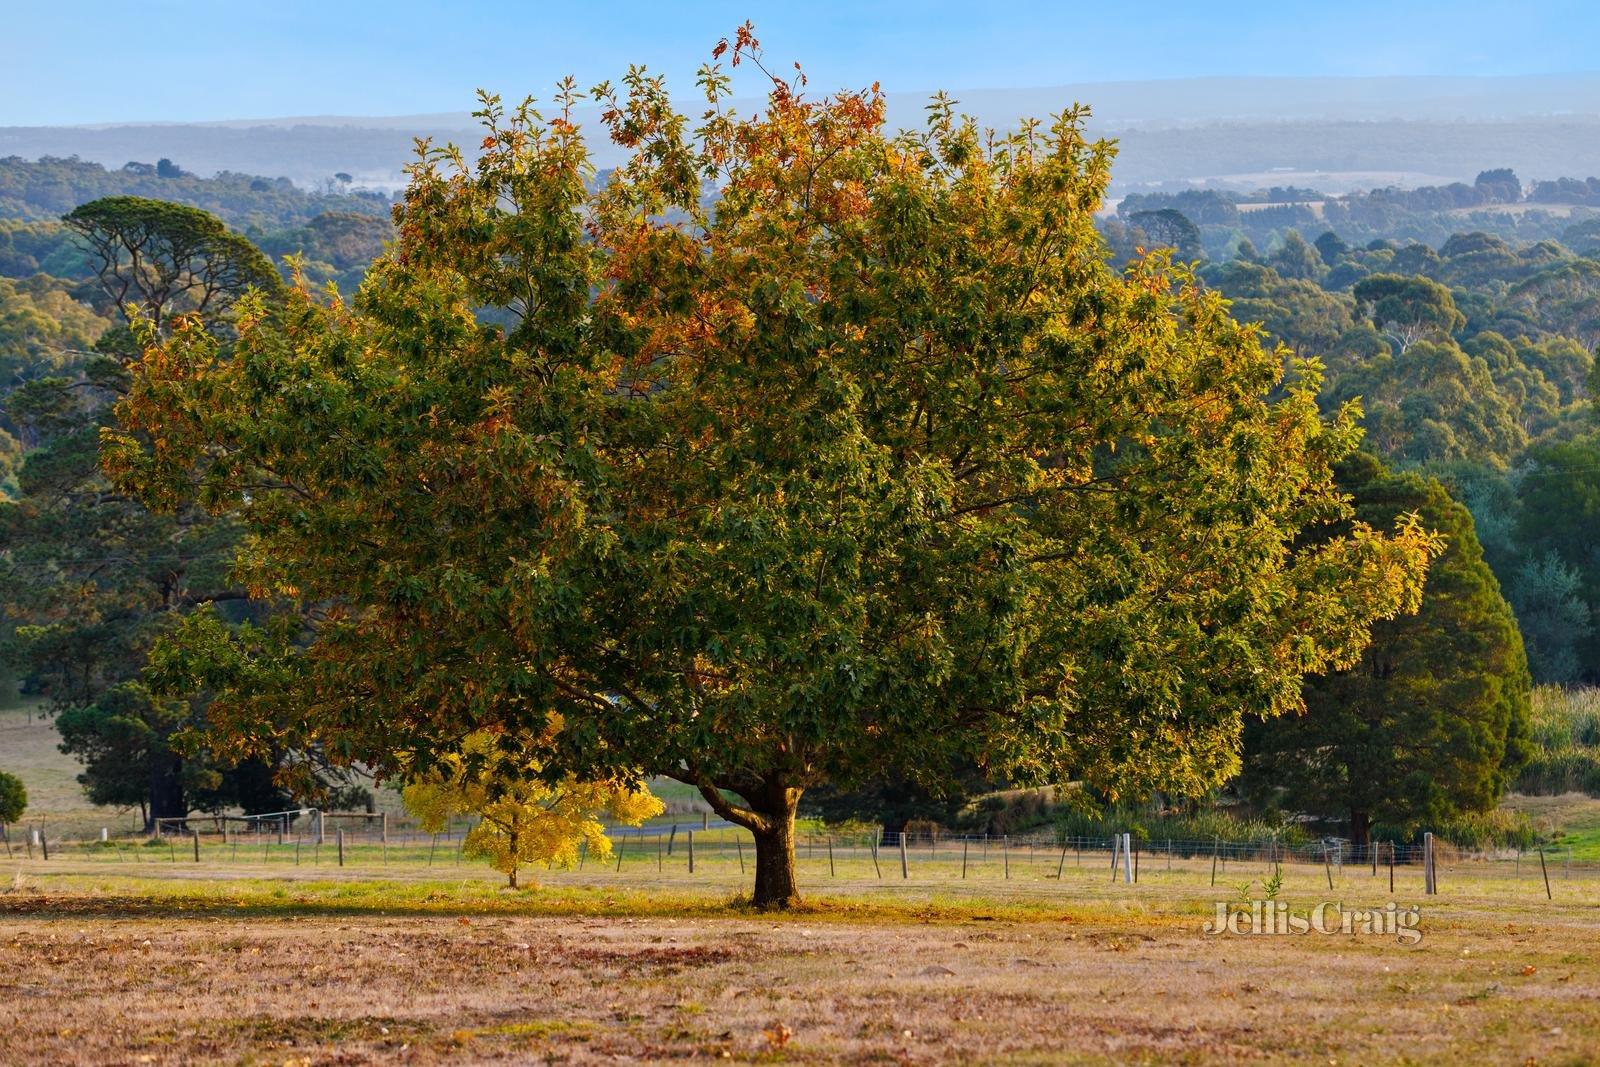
[[1351, 131]]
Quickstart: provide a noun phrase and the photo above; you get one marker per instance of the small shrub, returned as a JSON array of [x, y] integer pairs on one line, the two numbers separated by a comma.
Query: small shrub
[[13, 798]]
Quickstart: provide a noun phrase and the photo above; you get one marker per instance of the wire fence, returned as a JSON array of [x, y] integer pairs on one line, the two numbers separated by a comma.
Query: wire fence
[[702, 847]]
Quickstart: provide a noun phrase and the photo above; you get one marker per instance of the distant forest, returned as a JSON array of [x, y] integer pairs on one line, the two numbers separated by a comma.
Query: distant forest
[[338, 232]]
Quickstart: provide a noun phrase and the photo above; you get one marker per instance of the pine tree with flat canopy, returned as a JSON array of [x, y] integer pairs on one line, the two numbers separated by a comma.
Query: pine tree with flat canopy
[[792, 452]]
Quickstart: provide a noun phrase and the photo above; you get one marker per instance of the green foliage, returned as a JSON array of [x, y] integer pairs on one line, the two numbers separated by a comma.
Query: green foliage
[[876, 467], [1204, 823], [1565, 730], [1547, 596], [1433, 721], [13, 798], [1559, 512], [124, 739], [333, 247], [1431, 402], [1166, 228], [49, 248], [1408, 308], [1479, 371], [1497, 828], [45, 330]]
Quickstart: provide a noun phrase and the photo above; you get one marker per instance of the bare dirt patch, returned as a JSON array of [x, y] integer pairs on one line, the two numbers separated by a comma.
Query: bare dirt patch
[[1077, 979]]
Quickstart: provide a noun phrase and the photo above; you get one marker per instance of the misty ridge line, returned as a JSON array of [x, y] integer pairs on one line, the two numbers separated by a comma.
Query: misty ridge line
[[1336, 134], [1187, 99]]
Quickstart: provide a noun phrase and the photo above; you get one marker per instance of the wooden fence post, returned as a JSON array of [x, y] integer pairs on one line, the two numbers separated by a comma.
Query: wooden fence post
[[690, 835], [831, 872], [1546, 872], [905, 872], [196, 834], [1005, 853], [1216, 846], [964, 844], [338, 836], [738, 843]]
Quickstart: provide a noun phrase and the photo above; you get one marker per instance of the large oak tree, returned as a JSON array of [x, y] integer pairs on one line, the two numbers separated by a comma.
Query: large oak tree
[[794, 451]]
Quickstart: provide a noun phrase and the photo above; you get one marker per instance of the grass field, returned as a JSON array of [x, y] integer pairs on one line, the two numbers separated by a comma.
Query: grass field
[[1575, 815], [272, 953], [183, 963]]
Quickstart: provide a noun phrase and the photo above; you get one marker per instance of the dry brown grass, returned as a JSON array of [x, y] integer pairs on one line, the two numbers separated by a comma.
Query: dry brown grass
[[29, 749], [98, 967]]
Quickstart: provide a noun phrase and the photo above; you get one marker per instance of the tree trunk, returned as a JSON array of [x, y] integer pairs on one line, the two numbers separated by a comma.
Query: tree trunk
[[166, 790], [776, 888], [770, 819], [1360, 833]]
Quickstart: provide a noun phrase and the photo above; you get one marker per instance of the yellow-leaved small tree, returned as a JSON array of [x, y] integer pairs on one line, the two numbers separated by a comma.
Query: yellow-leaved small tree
[[521, 819]]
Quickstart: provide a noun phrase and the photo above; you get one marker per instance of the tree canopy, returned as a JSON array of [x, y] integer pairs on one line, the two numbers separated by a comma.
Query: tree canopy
[[164, 258], [521, 819], [1433, 719], [876, 464]]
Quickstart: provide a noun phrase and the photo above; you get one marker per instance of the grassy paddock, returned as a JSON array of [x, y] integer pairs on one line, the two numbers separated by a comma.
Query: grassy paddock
[[212, 962]]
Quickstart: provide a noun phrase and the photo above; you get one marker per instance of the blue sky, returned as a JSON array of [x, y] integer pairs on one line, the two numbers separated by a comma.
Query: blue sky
[[70, 61]]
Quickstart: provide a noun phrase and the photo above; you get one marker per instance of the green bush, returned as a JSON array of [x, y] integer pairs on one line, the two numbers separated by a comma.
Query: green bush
[[1149, 824], [1567, 771], [1566, 735], [13, 797], [1471, 830]]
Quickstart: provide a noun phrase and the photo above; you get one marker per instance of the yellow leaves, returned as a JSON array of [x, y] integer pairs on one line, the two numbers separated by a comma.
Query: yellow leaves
[[522, 819]]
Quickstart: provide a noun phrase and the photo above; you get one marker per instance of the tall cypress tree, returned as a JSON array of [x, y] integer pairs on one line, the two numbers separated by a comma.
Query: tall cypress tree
[[1433, 719]]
